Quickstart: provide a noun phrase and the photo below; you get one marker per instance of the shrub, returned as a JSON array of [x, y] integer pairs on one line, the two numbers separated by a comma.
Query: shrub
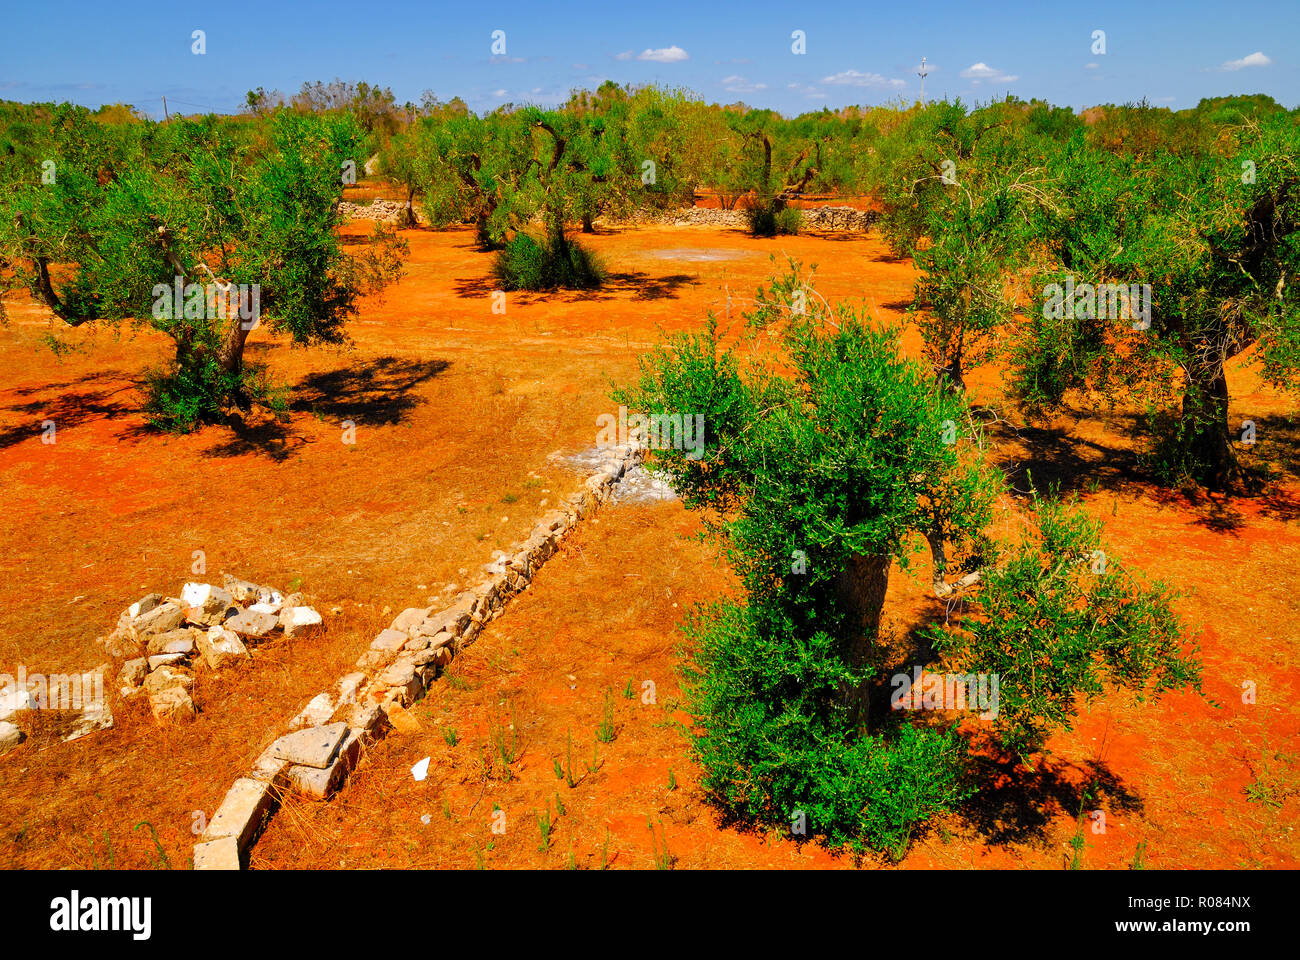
[[526, 263], [771, 738], [1056, 618], [198, 391], [789, 221], [766, 220]]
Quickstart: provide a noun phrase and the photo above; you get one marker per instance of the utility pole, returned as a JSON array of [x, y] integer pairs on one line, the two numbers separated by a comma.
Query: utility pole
[[165, 107], [922, 73]]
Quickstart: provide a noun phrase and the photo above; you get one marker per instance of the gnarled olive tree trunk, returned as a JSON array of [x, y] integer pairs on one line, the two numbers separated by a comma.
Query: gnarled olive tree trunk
[[860, 589], [1204, 419]]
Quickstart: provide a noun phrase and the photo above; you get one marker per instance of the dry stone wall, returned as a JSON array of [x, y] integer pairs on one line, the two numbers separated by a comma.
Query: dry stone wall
[[816, 218], [326, 739], [392, 212]]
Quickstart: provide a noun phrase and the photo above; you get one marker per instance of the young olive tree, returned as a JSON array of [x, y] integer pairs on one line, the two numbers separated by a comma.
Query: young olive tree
[[821, 469], [957, 203]]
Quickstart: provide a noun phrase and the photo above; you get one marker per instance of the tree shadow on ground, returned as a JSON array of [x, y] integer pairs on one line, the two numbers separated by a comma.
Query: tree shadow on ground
[[1055, 455], [844, 236], [255, 433], [1223, 514], [1016, 805], [470, 287], [641, 285], [1277, 442], [95, 377], [650, 288], [380, 392], [886, 256], [66, 411]]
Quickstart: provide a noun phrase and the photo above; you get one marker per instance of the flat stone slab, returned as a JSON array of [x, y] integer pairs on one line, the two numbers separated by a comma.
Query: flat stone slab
[[313, 747], [220, 854], [133, 673], [161, 619], [14, 702], [250, 623], [317, 712], [10, 736], [173, 641], [144, 605], [220, 646], [171, 705], [181, 645], [411, 618], [163, 659], [245, 592], [168, 675], [241, 812], [318, 783], [389, 641], [299, 619], [205, 604], [205, 595]]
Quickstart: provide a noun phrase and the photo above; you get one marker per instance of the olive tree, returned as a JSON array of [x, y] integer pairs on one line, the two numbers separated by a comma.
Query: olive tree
[[821, 469], [1212, 238], [203, 229]]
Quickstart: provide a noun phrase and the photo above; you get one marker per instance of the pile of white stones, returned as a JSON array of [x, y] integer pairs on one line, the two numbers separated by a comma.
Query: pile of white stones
[[78, 697], [163, 638], [325, 739]]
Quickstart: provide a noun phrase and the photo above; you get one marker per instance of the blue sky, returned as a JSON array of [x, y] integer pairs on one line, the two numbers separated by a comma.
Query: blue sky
[[856, 52]]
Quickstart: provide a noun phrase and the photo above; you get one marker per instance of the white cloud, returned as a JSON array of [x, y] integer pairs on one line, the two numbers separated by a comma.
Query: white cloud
[[498, 93], [625, 55], [1255, 59], [982, 71], [808, 90], [673, 54], [503, 59], [857, 79], [738, 84], [1091, 66]]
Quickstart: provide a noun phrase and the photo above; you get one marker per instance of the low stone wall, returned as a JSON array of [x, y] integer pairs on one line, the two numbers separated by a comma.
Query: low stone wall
[[326, 739], [385, 211], [815, 218]]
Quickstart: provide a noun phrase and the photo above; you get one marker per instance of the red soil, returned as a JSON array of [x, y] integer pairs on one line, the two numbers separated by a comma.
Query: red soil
[[457, 410]]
